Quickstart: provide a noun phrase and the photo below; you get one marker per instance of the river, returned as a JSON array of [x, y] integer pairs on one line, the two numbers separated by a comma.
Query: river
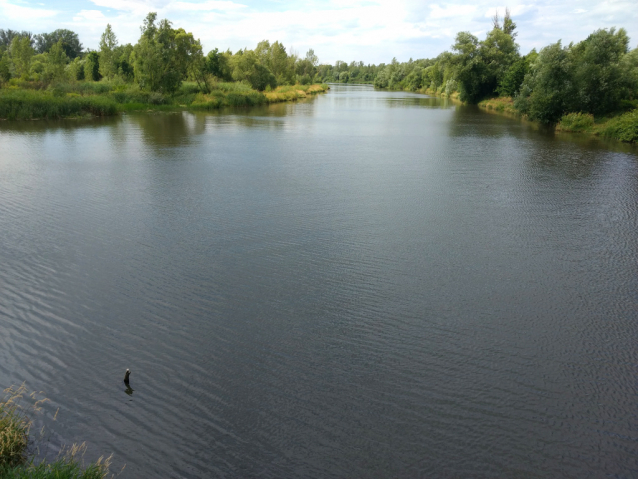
[[366, 284]]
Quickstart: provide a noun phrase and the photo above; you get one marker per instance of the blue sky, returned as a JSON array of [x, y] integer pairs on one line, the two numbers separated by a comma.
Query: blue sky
[[372, 31]]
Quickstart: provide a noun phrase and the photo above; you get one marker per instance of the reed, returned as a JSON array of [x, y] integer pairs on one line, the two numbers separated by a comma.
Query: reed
[[17, 407], [35, 104]]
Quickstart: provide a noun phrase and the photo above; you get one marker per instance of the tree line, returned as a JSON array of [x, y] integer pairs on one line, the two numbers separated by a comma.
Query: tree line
[[160, 61], [598, 75]]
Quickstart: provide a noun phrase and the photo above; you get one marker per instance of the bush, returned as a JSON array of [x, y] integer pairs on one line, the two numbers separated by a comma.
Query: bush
[[576, 122], [623, 127]]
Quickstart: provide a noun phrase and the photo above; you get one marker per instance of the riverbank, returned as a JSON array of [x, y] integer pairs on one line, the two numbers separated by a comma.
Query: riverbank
[[24, 101], [621, 126], [17, 407]]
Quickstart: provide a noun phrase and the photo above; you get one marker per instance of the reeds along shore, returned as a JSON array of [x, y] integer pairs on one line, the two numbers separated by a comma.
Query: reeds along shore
[[17, 408], [25, 101]]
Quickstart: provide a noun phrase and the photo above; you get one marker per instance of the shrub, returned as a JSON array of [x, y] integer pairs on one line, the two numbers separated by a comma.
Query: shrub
[[576, 122], [623, 127]]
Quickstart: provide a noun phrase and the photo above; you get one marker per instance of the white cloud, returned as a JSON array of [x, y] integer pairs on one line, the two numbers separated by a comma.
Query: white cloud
[[370, 30], [206, 6], [451, 11], [10, 11], [90, 15]]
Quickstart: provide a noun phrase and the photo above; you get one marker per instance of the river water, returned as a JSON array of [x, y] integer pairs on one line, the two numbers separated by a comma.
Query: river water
[[367, 284]]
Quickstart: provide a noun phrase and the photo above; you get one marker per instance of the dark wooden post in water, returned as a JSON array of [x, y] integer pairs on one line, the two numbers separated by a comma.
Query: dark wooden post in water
[[128, 373]]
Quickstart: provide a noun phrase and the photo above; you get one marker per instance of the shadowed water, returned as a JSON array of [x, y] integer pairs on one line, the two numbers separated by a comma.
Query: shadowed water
[[369, 284]]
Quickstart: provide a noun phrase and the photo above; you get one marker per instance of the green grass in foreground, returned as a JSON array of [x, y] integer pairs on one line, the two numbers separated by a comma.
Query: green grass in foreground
[[25, 101], [15, 426]]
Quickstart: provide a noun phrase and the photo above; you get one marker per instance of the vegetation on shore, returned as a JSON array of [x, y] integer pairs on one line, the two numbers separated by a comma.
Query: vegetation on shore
[[167, 68], [597, 76], [51, 76], [26, 101], [16, 410]]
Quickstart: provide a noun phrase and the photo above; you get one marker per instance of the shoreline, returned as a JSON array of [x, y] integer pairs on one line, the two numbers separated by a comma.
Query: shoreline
[[20, 104]]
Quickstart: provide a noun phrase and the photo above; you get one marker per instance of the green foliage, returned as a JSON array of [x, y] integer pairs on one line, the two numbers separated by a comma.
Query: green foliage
[[5, 70], [56, 63], [247, 68], [163, 55], [76, 69], [92, 66], [27, 105], [16, 407], [108, 63], [21, 55], [7, 36], [548, 91], [598, 71], [217, 65], [510, 83], [576, 122], [594, 76], [482, 66], [623, 127], [70, 42]]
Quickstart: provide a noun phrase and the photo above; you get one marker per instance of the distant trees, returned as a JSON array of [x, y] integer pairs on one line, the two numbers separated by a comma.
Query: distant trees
[[69, 41]]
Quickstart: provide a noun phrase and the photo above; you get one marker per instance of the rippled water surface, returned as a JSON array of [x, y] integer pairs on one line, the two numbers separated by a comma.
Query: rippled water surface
[[369, 284]]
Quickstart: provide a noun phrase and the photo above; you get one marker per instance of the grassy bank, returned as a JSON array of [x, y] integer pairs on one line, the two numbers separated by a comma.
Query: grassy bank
[[620, 126], [17, 407], [30, 101]]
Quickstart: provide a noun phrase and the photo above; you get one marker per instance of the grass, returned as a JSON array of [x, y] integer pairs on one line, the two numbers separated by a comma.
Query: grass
[[21, 100], [36, 104], [16, 409]]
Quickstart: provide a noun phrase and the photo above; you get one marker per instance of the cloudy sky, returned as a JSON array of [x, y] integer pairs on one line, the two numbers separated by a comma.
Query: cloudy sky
[[372, 31]]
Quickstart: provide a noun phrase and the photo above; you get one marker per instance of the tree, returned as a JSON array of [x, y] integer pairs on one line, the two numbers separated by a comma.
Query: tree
[[163, 56], [217, 65], [548, 91], [108, 43], [70, 42], [247, 67], [598, 73], [5, 72], [7, 36], [21, 54], [508, 24], [511, 82], [92, 66], [56, 62]]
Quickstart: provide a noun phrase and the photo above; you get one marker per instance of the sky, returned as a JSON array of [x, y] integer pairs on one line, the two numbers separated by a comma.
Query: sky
[[372, 31]]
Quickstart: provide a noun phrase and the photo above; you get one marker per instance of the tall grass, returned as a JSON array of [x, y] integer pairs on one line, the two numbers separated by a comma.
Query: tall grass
[[29, 100], [17, 407], [32, 104]]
